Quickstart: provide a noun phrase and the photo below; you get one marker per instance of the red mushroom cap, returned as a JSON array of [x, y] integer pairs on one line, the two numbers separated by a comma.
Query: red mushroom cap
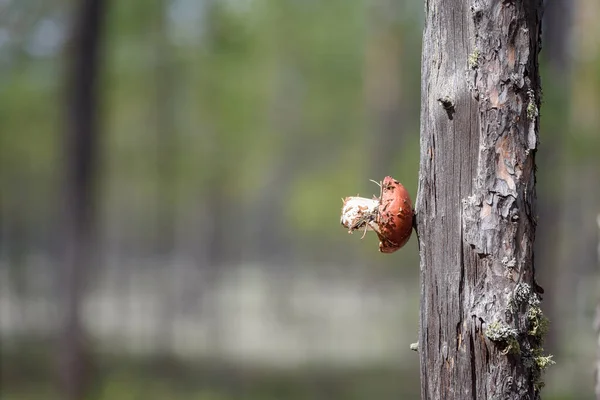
[[395, 217]]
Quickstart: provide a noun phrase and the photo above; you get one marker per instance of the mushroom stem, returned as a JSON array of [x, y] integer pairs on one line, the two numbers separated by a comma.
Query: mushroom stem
[[360, 212]]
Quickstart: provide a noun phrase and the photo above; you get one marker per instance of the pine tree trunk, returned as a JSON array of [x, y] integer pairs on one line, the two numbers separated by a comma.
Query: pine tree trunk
[[481, 326]]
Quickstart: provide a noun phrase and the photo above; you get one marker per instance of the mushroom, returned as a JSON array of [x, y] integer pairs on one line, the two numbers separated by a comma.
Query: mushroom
[[390, 215]]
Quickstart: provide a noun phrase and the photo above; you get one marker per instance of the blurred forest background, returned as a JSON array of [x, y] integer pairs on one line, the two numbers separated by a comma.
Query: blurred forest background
[[200, 149]]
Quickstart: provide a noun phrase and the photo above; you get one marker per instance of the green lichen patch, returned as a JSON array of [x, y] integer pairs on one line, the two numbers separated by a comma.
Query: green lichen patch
[[538, 322], [543, 362], [532, 108], [537, 362], [521, 294], [503, 334], [535, 326], [473, 59], [512, 347], [522, 334], [499, 332]]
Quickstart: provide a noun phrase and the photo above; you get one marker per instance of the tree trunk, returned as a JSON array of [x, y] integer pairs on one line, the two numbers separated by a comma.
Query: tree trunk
[[166, 133], [597, 326], [80, 145], [597, 366], [481, 327]]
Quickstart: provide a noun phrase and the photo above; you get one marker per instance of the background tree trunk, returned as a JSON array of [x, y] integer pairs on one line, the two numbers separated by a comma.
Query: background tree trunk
[[80, 144], [597, 326], [166, 132], [557, 36], [481, 327]]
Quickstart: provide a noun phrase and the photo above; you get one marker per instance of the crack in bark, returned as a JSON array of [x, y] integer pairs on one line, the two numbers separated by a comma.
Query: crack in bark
[[473, 361]]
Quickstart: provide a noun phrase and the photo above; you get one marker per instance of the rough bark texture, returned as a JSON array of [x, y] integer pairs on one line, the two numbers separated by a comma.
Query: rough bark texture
[[481, 327]]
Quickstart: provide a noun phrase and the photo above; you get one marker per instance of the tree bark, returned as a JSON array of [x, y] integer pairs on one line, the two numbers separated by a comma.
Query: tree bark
[[481, 327], [80, 145]]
